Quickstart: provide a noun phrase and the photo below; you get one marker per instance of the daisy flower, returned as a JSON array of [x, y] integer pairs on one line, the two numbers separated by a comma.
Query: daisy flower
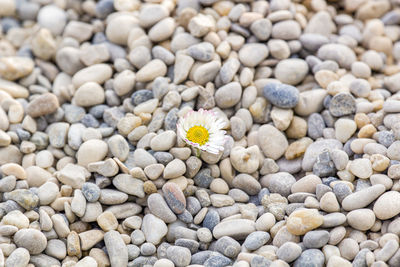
[[202, 130]]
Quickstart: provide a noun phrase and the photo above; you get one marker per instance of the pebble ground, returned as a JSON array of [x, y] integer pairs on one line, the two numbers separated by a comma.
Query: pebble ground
[[92, 173]]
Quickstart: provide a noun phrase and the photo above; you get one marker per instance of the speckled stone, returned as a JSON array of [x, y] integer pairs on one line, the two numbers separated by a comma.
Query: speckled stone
[[281, 95]]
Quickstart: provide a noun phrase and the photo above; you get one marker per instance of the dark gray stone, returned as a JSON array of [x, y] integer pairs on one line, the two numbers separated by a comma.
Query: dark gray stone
[[185, 217], [203, 178], [324, 166], [90, 121], [163, 157], [141, 96], [341, 191], [193, 205], [97, 111], [211, 219], [201, 257], [386, 138], [342, 104]]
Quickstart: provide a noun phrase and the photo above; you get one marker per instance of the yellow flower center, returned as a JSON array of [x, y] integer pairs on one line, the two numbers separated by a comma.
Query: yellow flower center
[[198, 134]]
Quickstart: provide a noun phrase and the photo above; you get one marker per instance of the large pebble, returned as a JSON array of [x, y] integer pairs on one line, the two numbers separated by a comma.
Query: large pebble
[[228, 95], [363, 198], [31, 239], [229, 228], [302, 221], [387, 206], [272, 142], [42, 105], [98, 73], [116, 248], [153, 228], [252, 54], [342, 54], [291, 71], [281, 95]]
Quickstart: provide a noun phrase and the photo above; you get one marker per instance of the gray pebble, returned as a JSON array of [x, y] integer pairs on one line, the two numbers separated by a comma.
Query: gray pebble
[[91, 192]]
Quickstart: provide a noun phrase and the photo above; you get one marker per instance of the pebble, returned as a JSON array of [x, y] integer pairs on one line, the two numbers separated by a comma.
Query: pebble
[[228, 228], [18, 258], [316, 239], [313, 257], [361, 219], [363, 198], [42, 105], [228, 95], [281, 95], [302, 221], [251, 55], [89, 94], [180, 256], [98, 73], [151, 70], [116, 248], [272, 142], [289, 252], [339, 53], [255, 240], [291, 71], [159, 207], [384, 207], [31, 239], [95, 174], [280, 183]]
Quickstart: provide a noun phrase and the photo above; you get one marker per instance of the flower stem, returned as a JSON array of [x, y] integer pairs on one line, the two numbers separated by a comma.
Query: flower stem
[[198, 152]]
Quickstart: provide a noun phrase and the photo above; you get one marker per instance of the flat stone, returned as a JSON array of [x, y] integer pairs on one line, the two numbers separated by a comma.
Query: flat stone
[[127, 184], [229, 228]]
